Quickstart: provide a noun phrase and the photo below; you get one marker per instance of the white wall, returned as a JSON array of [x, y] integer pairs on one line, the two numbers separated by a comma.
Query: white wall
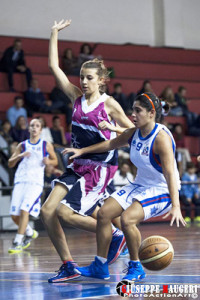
[[152, 22]]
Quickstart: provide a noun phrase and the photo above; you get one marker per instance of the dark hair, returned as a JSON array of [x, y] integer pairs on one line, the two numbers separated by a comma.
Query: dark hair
[[18, 98], [18, 120], [17, 41], [88, 45], [190, 165], [181, 88], [55, 118], [98, 64], [151, 101], [4, 122], [142, 90], [117, 84]]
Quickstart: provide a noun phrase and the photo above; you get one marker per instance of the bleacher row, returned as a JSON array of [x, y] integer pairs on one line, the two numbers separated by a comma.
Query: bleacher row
[[132, 65]]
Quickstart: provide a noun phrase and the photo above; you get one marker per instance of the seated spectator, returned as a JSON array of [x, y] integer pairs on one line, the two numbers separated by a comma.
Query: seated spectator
[[193, 124], [146, 88], [104, 89], [70, 63], [58, 133], [119, 96], [17, 110], [13, 62], [5, 131], [178, 135], [85, 54], [123, 175], [130, 101], [46, 132], [62, 103], [34, 98], [168, 95], [59, 142], [181, 99], [20, 132], [190, 194]]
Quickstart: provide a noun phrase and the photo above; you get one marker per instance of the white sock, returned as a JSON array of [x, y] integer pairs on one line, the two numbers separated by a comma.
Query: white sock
[[135, 260], [102, 259], [29, 230], [18, 238]]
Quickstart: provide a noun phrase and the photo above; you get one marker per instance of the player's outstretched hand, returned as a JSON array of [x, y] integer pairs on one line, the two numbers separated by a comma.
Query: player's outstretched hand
[[61, 25], [103, 125], [25, 154], [176, 214], [77, 152]]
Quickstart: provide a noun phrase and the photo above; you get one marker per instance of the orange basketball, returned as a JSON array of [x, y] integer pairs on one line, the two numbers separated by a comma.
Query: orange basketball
[[156, 253]]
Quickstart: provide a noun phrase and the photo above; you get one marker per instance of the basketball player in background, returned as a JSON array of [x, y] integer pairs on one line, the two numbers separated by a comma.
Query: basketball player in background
[[93, 120], [32, 155], [153, 193]]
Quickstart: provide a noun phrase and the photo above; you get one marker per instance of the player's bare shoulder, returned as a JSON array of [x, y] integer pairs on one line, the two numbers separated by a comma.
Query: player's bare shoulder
[[111, 103], [163, 140]]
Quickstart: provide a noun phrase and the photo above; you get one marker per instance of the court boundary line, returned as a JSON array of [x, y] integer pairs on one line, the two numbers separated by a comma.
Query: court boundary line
[[26, 272]]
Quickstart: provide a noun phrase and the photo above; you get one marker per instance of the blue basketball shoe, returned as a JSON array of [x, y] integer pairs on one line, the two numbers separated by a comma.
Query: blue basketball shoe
[[134, 271], [66, 272], [97, 269], [116, 246], [124, 252]]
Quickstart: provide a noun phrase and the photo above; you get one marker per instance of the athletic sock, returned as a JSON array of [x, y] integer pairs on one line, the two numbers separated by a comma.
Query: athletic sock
[[135, 260], [102, 259], [29, 230], [65, 261], [18, 238]]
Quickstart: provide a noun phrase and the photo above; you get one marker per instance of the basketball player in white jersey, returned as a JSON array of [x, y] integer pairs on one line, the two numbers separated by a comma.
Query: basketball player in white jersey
[[81, 186], [153, 193], [32, 155]]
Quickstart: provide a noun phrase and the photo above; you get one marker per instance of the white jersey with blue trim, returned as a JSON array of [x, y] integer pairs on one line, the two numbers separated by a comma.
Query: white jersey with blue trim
[[31, 169], [149, 170]]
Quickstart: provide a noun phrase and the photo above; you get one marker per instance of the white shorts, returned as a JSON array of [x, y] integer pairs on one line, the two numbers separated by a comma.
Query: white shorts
[[26, 196], [155, 201]]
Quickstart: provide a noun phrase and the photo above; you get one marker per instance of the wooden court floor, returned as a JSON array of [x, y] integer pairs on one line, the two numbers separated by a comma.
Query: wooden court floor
[[24, 275]]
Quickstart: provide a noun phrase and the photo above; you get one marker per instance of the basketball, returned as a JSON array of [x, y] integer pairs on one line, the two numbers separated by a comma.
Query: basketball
[[156, 253]]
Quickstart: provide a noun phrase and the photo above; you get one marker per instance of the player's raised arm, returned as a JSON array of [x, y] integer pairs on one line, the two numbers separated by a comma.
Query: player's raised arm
[[68, 88], [118, 142]]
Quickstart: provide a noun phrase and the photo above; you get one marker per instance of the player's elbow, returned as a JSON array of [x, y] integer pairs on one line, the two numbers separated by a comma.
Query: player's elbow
[[55, 162], [10, 164]]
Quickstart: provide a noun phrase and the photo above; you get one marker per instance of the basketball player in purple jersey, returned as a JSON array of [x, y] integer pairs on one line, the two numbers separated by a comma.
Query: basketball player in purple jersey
[[153, 193], [75, 194]]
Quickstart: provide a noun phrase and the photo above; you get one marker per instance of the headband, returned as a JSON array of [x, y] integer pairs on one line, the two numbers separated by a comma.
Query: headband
[[149, 100]]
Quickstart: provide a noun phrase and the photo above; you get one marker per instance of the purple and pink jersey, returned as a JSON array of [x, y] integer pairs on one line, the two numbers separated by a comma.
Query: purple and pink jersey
[[88, 176], [85, 131]]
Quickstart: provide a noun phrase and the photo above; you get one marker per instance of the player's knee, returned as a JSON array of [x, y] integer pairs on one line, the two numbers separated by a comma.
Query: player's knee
[[64, 213], [103, 215], [126, 221], [14, 218], [45, 213]]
